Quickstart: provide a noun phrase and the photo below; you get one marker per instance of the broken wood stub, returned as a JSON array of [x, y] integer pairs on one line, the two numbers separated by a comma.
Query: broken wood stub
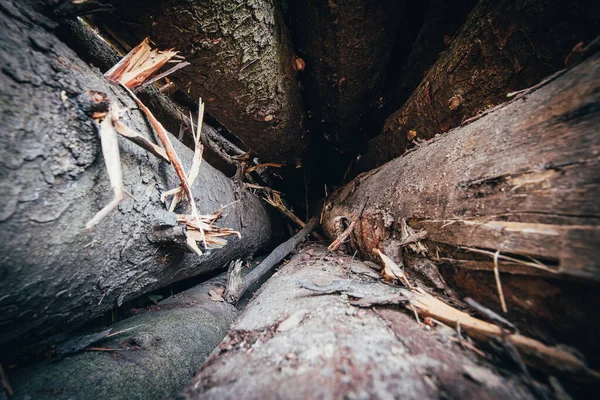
[[521, 181]]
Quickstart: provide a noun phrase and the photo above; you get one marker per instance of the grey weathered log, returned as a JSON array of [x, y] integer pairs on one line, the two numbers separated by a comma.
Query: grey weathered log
[[504, 46], [242, 64], [55, 275], [310, 347], [153, 360], [521, 180], [235, 290]]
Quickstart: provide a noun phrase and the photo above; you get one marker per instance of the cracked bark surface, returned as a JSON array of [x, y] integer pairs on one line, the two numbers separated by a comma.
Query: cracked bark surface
[[522, 180], [54, 275], [319, 346], [504, 46], [242, 64]]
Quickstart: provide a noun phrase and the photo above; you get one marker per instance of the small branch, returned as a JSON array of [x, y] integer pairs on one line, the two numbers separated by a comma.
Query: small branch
[[235, 291], [274, 199], [498, 282]]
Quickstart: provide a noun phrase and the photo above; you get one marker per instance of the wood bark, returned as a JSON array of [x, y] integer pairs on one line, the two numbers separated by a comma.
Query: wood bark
[[413, 58], [55, 275], [521, 180], [85, 40], [504, 46], [242, 64], [319, 346], [346, 46], [153, 360]]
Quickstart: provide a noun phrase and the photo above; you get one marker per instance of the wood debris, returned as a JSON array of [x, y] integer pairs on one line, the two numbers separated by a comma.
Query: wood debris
[[141, 63], [391, 270]]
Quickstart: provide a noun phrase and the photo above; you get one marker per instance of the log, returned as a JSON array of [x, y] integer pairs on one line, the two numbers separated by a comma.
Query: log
[[307, 346], [434, 33], [95, 50], [346, 46], [521, 180], [54, 275], [155, 356], [242, 64], [503, 47]]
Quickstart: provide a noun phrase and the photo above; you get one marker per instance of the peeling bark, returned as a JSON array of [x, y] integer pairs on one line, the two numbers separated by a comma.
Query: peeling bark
[[319, 346], [242, 64], [522, 180], [503, 47], [151, 361], [55, 275]]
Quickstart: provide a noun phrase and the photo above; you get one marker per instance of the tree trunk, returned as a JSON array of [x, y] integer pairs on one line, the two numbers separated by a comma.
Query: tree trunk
[[346, 46], [521, 180], [242, 64], [503, 47], [153, 360], [96, 51], [54, 274], [312, 347], [407, 68]]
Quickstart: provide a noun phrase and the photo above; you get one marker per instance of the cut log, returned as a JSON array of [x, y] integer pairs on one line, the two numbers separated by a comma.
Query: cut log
[[504, 46], [153, 358], [437, 29], [96, 51], [55, 275], [346, 46], [242, 64], [319, 346], [522, 181]]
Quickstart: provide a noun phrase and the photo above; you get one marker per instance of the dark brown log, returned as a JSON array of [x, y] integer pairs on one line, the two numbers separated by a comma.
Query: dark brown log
[[155, 356], [521, 180], [95, 50], [346, 46], [54, 274], [504, 46], [319, 346], [437, 29], [242, 64]]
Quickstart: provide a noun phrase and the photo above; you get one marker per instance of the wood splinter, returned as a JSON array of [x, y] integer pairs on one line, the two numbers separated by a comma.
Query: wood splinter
[[238, 285]]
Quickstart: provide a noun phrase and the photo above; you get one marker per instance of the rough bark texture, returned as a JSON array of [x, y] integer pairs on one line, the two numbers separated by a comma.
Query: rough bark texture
[[94, 50], [321, 347], [151, 361], [522, 180], [503, 47], [53, 274], [346, 46], [440, 23], [242, 64]]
